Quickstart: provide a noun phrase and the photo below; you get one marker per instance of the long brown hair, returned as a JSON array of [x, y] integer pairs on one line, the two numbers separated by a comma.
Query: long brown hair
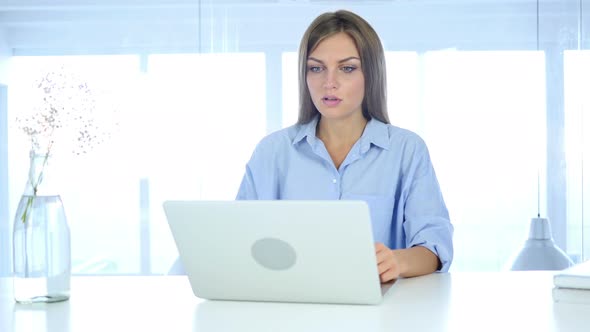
[[372, 56]]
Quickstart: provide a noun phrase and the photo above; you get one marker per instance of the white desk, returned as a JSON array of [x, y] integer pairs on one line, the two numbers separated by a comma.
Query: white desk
[[508, 301]]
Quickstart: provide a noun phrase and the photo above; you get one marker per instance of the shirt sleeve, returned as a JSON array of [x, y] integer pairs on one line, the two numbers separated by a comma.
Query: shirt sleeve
[[426, 219], [260, 178], [247, 189]]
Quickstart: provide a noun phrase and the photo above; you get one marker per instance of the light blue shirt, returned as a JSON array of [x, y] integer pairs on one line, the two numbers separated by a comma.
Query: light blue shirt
[[388, 167]]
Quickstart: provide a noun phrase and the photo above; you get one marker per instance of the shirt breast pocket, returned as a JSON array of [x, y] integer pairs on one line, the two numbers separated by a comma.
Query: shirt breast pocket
[[381, 209]]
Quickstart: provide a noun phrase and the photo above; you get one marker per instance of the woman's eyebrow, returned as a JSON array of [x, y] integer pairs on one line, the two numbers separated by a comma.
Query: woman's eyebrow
[[340, 61]]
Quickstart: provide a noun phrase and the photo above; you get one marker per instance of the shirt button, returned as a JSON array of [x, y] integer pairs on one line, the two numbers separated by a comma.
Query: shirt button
[[334, 180]]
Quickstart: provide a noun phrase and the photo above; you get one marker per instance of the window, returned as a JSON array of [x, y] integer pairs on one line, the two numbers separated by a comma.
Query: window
[[173, 136], [196, 85], [577, 143], [484, 123]]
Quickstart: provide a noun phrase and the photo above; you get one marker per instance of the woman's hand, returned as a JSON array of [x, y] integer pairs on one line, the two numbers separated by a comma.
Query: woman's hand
[[388, 263], [410, 262]]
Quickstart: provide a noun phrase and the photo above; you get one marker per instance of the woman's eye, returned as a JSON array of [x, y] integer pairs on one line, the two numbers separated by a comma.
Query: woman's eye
[[315, 69], [348, 69]]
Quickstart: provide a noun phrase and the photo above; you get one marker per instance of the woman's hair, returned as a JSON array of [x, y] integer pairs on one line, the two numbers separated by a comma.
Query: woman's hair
[[372, 62]]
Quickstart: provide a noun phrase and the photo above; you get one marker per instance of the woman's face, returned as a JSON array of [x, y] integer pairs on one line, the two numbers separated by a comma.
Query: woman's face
[[335, 79]]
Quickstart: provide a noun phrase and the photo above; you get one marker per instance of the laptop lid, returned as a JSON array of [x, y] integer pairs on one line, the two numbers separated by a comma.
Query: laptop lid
[[282, 250]]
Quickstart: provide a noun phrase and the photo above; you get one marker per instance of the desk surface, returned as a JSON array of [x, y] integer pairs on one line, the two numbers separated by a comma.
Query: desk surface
[[506, 301]]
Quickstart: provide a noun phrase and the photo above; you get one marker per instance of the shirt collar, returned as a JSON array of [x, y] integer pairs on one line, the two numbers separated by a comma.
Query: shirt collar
[[376, 132], [307, 130]]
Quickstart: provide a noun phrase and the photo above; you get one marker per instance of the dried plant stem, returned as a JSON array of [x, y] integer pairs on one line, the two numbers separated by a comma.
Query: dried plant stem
[[35, 184]]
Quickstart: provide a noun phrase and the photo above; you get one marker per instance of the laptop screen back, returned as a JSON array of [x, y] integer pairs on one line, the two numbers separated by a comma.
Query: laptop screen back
[[285, 250]]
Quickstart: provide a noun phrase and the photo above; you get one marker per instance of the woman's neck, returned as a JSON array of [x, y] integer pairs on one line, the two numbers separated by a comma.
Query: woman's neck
[[340, 132]]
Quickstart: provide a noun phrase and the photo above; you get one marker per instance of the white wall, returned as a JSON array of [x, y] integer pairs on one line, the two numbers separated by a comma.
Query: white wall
[[5, 225]]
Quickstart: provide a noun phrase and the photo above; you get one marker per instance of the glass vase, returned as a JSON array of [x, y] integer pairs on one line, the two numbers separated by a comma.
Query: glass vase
[[41, 239]]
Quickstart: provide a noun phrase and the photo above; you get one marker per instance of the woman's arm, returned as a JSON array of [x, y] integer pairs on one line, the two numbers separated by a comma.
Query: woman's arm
[[426, 223], [411, 262]]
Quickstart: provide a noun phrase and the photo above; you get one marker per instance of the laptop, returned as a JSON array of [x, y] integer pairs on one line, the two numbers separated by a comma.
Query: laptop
[[278, 251]]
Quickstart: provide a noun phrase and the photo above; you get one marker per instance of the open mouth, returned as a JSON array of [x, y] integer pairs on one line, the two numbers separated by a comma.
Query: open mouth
[[331, 101]]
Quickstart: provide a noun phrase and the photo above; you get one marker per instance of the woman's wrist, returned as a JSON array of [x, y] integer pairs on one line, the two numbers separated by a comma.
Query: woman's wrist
[[416, 261]]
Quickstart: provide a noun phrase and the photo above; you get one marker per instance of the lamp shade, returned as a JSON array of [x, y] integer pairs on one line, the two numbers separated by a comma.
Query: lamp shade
[[539, 251]]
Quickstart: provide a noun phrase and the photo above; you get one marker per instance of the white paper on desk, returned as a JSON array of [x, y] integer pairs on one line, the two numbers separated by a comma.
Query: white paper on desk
[[571, 295], [577, 276]]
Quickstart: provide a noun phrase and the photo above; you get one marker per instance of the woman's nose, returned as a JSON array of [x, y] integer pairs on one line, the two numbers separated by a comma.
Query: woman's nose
[[331, 82]]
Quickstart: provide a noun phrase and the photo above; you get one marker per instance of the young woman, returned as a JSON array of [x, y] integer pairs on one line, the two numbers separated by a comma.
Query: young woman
[[343, 148]]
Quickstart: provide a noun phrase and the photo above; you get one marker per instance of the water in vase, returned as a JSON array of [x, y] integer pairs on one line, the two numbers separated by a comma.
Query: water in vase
[[41, 240]]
